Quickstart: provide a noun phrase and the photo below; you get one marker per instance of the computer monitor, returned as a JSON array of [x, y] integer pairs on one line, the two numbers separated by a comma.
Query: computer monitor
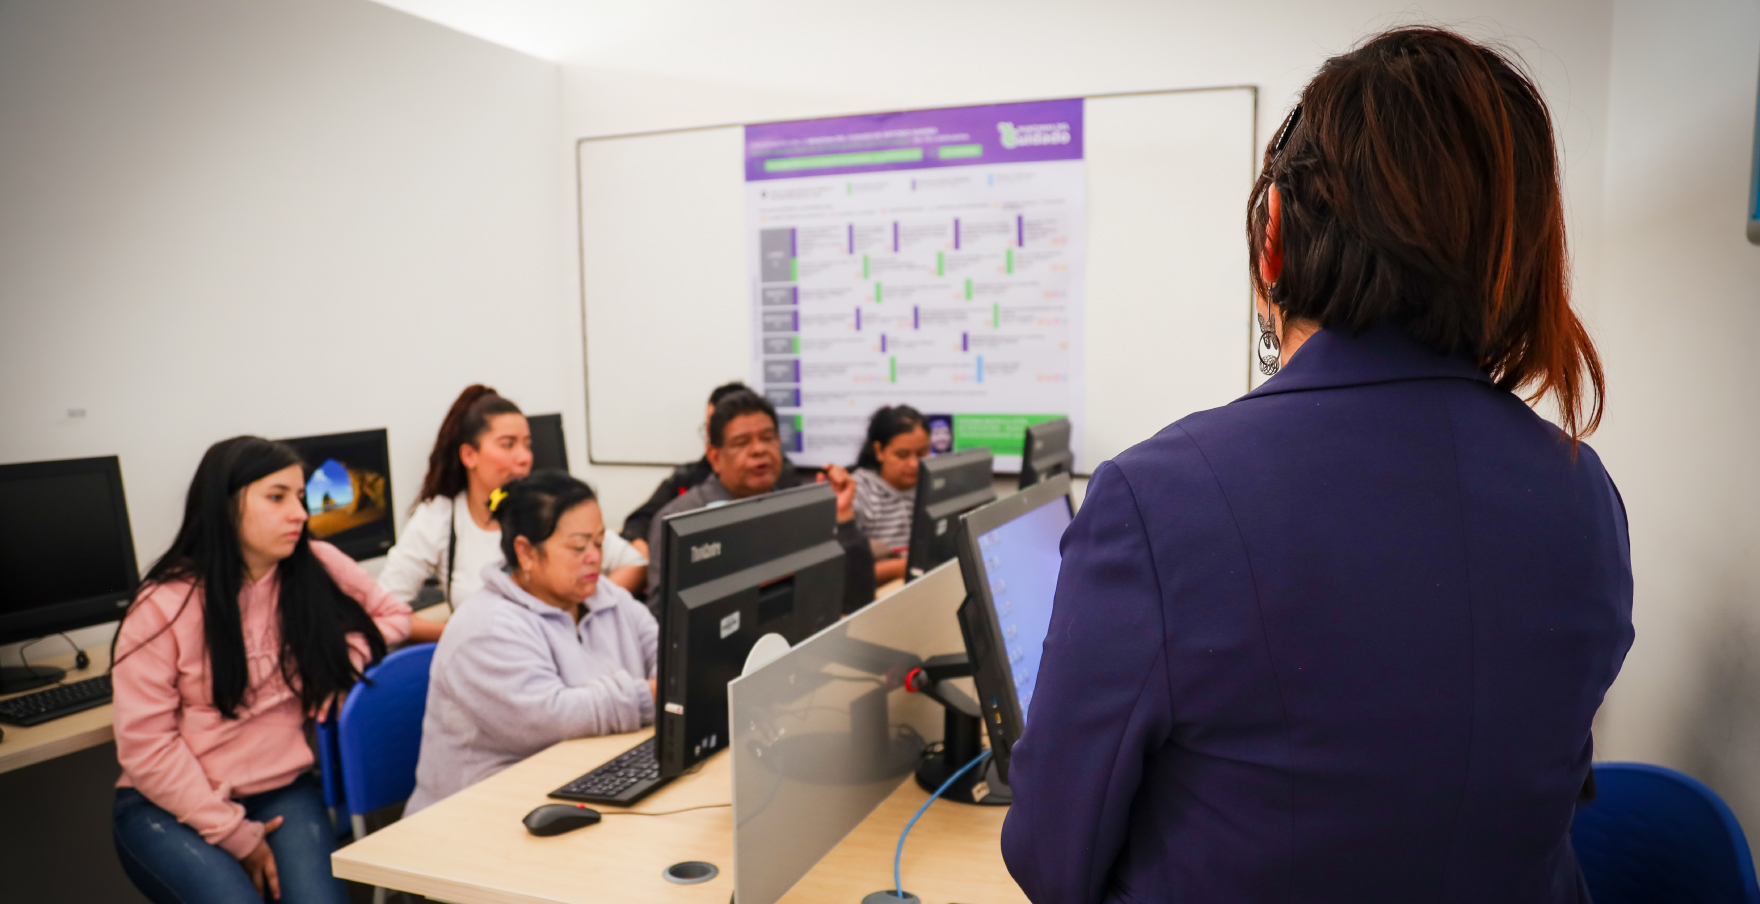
[[66, 554], [1045, 452], [1009, 555], [549, 451], [1754, 185], [730, 574], [348, 491], [947, 487]]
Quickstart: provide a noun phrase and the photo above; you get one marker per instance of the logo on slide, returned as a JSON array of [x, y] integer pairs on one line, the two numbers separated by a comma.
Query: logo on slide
[[706, 551], [1035, 135]]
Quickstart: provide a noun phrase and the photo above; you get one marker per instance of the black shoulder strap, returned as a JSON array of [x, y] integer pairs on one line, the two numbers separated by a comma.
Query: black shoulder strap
[[451, 550]]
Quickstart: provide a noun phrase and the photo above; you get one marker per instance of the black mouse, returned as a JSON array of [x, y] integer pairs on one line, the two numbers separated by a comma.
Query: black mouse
[[554, 819]]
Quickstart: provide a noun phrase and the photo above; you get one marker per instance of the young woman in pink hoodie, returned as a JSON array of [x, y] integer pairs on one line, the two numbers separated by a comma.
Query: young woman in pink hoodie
[[245, 628]]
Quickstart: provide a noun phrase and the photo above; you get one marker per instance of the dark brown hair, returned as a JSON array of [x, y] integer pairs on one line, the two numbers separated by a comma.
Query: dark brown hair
[[1418, 185], [465, 422]]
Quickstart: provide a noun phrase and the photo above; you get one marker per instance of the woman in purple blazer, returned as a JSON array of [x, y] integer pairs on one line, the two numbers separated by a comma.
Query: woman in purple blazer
[[1343, 639]]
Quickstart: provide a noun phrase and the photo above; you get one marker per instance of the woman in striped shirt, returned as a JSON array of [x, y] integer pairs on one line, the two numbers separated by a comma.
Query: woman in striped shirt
[[886, 485]]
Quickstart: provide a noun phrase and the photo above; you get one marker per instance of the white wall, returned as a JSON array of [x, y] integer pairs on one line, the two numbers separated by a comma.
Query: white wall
[[673, 63], [1676, 316], [274, 218]]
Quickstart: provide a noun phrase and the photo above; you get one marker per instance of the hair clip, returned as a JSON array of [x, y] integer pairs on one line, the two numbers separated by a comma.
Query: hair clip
[[495, 498]]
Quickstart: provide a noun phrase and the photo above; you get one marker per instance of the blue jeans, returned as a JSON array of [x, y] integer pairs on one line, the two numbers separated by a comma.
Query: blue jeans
[[171, 864]]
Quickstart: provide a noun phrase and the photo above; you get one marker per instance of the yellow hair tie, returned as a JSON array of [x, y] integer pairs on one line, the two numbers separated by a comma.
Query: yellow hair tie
[[495, 499]]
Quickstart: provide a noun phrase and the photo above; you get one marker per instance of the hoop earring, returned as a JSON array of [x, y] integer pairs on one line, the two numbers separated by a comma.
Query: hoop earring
[[1269, 350]]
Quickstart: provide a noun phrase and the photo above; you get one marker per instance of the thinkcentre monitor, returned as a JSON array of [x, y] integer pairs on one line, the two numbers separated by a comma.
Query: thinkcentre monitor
[[348, 491], [1045, 452], [1009, 555], [947, 487], [66, 554], [549, 451], [770, 564]]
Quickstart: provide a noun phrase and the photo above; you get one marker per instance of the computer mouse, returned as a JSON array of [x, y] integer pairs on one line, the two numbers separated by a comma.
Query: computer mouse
[[554, 819]]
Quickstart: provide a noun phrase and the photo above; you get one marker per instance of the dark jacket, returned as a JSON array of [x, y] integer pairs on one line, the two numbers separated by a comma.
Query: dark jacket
[[676, 484], [1339, 641]]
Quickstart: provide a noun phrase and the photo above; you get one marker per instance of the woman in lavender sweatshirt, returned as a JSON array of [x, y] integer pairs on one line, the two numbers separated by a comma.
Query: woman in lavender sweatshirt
[[546, 651]]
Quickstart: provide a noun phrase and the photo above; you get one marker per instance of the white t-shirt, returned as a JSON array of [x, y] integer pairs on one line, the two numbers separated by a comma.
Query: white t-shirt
[[421, 550]]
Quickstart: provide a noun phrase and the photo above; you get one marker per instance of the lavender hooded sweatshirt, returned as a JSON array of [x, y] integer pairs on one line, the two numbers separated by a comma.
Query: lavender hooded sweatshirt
[[514, 675]]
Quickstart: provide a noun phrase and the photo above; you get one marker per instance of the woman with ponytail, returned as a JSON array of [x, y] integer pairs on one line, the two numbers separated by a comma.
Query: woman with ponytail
[[483, 444], [240, 632]]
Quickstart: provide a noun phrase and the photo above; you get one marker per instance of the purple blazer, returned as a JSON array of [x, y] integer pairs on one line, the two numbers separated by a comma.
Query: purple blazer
[[1338, 641]]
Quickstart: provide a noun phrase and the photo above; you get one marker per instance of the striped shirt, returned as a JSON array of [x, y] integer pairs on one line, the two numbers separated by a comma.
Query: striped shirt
[[883, 512]]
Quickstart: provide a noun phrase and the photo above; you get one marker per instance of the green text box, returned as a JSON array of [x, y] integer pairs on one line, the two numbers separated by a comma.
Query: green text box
[[854, 158], [960, 151], [1002, 434]]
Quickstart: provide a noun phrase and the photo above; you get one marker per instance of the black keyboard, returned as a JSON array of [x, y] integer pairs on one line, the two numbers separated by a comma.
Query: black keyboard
[[621, 782], [55, 702]]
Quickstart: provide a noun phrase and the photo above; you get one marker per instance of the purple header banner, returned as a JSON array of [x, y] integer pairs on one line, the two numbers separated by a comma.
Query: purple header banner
[[915, 139]]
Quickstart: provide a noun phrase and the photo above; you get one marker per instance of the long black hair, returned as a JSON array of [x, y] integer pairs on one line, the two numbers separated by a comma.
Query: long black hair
[[888, 422], [465, 422], [316, 616], [532, 507]]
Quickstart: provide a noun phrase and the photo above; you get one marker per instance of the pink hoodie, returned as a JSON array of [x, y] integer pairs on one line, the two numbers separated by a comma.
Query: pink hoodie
[[175, 747]]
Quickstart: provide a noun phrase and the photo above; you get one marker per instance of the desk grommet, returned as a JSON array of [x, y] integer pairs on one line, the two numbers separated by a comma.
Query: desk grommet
[[690, 872]]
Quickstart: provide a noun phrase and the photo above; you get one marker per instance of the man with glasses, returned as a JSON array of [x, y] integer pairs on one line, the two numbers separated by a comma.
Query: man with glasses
[[687, 476], [745, 452]]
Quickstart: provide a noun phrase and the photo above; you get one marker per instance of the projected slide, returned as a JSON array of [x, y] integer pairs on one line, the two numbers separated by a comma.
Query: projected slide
[[932, 258]]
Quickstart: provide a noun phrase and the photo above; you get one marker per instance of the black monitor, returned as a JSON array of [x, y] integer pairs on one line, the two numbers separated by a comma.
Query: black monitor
[[549, 451], [348, 491], [1754, 186], [1045, 452], [1009, 554], [66, 554], [730, 574], [947, 486]]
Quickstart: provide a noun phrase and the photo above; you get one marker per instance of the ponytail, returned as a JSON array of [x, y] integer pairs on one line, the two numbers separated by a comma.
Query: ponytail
[[465, 422]]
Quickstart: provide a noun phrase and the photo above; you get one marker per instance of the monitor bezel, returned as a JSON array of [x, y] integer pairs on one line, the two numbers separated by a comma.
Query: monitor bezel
[[997, 696], [677, 531], [1033, 457], [1754, 182], [356, 549], [84, 612], [926, 509], [561, 440]]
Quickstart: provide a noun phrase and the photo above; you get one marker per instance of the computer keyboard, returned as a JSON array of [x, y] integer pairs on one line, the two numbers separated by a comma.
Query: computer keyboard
[[55, 702], [621, 782]]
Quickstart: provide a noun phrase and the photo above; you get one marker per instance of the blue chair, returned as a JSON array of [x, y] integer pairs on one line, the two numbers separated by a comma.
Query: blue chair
[[1657, 836], [330, 771]]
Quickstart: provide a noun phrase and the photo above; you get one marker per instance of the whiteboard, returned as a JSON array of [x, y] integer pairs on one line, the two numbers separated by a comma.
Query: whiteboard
[[665, 304]]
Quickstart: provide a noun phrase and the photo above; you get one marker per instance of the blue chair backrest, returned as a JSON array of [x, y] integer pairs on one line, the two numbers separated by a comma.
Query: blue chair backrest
[[1657, 836], [330, 764], [379, 735]]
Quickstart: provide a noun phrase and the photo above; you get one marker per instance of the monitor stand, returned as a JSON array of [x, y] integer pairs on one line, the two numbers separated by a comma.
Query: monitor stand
[[16, 678], [961, 737]]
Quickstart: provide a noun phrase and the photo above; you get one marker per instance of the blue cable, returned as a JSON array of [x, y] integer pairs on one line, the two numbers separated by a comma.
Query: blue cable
[[897, 886]]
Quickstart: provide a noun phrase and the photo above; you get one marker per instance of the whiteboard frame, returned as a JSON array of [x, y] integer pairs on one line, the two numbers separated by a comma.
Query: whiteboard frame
[[580, 226]]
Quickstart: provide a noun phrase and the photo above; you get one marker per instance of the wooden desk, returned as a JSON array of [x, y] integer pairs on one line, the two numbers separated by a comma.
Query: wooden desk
[[25, 746], [472, 849]]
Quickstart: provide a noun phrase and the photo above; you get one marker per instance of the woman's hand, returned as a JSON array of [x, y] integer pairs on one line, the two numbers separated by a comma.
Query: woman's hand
[[888, 570], [259, 864], [845, 487], [654, 689]]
